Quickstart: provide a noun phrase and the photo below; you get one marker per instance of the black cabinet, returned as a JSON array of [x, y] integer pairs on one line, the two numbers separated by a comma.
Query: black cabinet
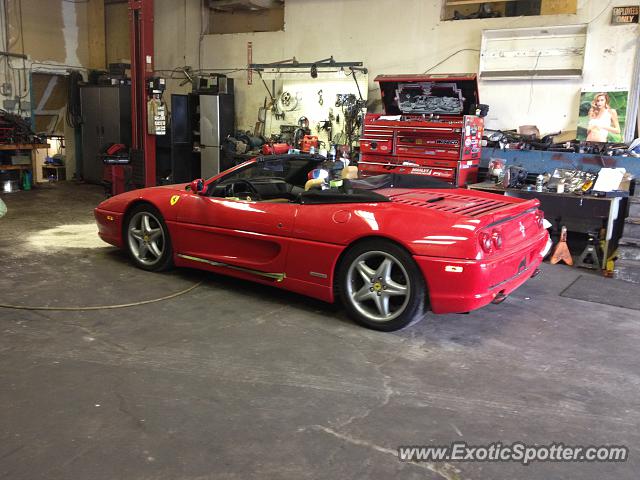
[[177, 161], [106, 119], [199, 125]]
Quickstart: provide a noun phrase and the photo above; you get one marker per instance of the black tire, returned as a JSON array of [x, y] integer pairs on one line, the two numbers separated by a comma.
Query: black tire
[[402, 285], [149, 248]]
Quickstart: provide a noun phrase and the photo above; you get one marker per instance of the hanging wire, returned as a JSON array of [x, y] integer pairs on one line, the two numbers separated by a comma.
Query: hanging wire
[[74, 116], [450, 56]]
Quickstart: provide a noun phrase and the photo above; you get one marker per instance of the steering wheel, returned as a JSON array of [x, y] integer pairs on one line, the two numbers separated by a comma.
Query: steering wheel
[[239, 187]]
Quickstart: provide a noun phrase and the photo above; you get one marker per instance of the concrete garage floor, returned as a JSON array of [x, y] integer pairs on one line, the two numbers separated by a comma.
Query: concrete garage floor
[[238, 381]]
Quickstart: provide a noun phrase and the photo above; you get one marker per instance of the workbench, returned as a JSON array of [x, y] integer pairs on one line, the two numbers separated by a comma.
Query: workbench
[[540, 161], [54, 172], [579, 213], [17, 147]]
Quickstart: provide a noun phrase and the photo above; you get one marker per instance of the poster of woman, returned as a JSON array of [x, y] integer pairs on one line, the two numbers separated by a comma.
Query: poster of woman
[[602, 116]]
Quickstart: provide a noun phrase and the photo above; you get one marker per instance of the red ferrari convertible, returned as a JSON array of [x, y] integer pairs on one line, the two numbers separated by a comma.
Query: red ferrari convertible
[[388, 246]]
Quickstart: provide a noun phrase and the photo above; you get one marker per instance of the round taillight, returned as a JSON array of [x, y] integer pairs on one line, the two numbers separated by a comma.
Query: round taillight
[[496, 237], [485, 242]]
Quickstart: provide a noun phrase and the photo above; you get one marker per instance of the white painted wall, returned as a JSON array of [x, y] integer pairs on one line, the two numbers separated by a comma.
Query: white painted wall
[[177, 27], [407, 36]]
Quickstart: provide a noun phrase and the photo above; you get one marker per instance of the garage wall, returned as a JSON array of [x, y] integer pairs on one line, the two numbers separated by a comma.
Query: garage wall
[[351, 30], [116, 19], [177, 27], [56, 35], [55, 31]]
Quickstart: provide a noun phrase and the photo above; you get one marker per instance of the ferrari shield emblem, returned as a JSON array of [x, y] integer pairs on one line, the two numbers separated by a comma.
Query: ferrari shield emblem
[[174, 199]]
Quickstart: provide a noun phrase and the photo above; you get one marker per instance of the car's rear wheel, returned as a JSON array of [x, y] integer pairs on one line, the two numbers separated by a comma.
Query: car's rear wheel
[[381, 286], [147, 239]]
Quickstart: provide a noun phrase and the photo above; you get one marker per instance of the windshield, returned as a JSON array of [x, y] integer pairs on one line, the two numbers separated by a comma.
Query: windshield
[[292, 170]]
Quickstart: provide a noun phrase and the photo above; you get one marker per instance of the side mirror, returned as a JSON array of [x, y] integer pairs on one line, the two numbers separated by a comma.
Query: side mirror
[[197, 186]]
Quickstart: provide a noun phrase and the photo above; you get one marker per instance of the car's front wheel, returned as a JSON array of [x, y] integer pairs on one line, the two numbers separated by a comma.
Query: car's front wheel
[[381, 286], [147, 239]]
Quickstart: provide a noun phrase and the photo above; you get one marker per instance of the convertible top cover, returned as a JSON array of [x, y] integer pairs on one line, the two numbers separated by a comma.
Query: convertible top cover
[[395, 180], [335, 195], [362, 190]]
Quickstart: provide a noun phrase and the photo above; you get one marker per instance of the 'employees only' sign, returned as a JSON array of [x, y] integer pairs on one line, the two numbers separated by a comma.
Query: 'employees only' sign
[[625, 15]]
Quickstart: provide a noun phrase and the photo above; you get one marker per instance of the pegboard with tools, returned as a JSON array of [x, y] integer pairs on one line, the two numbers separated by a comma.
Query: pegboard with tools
[[326, 108]]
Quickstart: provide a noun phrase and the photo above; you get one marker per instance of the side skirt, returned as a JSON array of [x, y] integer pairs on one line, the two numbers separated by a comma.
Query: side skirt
[[278, 277]]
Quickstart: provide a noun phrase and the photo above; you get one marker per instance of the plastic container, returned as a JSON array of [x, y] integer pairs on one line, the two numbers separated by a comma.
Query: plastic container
[[332, 153], [539, 183], [9, 186], [26, 180], [496, 168]]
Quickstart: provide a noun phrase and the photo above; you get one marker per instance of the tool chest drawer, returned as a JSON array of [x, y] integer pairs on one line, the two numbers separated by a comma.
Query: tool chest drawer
[[382, 146]]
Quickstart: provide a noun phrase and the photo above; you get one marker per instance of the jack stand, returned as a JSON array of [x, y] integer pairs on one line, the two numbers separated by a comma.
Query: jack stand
[[561, 253], [589, 257]]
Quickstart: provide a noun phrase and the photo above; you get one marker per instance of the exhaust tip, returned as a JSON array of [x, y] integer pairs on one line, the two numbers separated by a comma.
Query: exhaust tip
[[536, 272], [499, 298]]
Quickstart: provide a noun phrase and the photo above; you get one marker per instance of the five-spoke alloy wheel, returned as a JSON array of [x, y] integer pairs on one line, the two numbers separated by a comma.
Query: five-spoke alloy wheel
[[381, 286], [147, 238]]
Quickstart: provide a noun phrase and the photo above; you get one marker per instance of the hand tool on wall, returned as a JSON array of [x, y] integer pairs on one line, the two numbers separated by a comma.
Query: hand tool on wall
[[258, 130]]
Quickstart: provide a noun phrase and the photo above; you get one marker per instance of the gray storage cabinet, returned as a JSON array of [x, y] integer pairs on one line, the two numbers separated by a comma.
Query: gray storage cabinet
[[106, 119]]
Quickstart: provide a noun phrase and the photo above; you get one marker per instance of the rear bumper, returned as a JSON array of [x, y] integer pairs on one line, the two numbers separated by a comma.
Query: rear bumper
[[109, 226], [457, 286]]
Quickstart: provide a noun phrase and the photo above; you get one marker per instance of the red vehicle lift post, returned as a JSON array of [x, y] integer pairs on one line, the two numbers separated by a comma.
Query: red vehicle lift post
[[141, 31]]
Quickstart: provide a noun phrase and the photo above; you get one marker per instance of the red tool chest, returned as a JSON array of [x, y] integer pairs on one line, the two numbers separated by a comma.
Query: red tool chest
[[429, 128]]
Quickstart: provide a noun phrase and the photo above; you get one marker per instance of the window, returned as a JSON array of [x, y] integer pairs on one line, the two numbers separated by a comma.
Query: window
[[49, 94], [245, 16], [291, 170], [470, 9]]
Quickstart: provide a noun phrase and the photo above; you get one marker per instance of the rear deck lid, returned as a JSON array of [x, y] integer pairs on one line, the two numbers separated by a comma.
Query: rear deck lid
[[515, 219], [453, 202]]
